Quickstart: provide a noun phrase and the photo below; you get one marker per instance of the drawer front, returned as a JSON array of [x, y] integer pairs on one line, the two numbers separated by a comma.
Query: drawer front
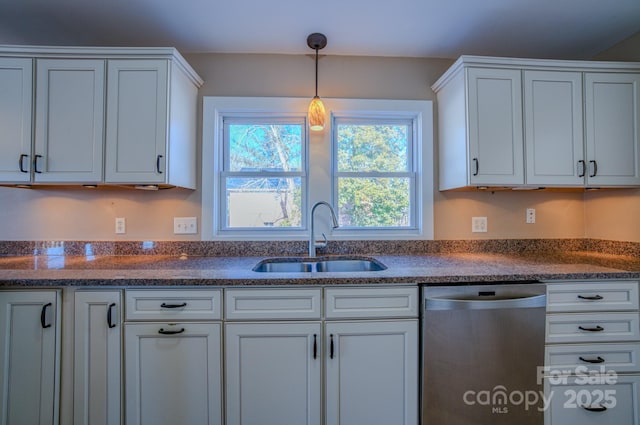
[[344, 303], [173, 304], [592, 357], [592, 296], [587, 327], [610, 403], [250, 304]]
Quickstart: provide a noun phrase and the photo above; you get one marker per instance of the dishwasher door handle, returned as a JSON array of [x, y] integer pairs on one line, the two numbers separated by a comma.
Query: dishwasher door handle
[[477, 303]]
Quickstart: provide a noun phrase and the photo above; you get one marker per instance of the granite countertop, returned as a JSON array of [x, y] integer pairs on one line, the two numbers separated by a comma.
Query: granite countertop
[[449, 268]]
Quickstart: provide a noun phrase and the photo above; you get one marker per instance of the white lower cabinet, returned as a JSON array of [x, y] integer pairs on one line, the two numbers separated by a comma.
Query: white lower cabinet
[[173, 357], [173, 373], [372, 372], [364, 354], [29, 357], [273, 373], [97, 382]]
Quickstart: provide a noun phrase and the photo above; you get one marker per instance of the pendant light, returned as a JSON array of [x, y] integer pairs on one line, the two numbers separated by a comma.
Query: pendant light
[[316, 114]]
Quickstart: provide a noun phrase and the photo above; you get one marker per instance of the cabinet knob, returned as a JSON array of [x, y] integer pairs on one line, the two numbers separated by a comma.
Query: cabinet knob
[[594, 167]]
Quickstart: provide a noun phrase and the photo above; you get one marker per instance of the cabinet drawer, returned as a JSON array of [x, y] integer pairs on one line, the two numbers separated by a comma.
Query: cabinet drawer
[[615, 403], [250, 304], [592, 296], [588, 327], [371, 302], [592, 357], [173, 304]]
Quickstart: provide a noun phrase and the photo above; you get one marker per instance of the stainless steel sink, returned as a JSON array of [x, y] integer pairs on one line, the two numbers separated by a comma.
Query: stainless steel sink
[[269, 266], [321, 265], [349, 266]]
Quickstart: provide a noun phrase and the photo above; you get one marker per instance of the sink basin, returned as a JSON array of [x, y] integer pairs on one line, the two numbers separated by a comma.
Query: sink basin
[[292, 266], [322, 265], [349, 266]]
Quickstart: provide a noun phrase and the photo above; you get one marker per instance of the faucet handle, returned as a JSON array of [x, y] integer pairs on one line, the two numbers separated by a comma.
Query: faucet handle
[[323, 243]]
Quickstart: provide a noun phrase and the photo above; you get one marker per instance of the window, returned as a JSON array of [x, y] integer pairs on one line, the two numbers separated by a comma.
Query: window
[[263, 172], [374, 172], [262, 169]]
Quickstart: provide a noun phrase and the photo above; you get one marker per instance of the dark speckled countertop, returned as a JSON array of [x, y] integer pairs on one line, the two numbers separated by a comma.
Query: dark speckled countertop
[[430, 268]]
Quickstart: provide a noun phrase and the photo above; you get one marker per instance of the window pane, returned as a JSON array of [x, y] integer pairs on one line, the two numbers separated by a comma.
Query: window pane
[[265, 147], [374, 202], [263, 202], [372, 147]]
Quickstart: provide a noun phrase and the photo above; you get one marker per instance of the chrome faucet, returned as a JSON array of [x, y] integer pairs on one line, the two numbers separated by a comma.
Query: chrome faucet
[[320, 244]]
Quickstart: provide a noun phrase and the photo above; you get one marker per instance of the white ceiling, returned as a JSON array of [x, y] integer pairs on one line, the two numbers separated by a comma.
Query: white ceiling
[[569, 29]]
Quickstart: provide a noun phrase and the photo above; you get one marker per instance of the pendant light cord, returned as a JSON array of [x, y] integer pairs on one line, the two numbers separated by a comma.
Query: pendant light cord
[[316, 71]]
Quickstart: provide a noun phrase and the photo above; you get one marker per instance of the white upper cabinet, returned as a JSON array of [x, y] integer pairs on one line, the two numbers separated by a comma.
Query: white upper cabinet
[[137, 120], [538, 123], [69, 121], [16, 97], [150, 124], [612, 117], [553, 128], [495, 127], [99, 116]]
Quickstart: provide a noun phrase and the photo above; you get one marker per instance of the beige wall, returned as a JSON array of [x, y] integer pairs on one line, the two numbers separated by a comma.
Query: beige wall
[[85, 214]]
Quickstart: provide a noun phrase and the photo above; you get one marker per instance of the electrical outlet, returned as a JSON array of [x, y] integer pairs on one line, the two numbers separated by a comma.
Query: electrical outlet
[[479, 224], [121, 225], [185, 225], [531, 215]]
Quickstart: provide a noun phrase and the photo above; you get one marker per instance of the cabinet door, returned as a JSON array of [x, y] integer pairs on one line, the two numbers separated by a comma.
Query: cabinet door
[[136, 121], [97, 358], [16, 85], [372, 372], [273, 373], [69, 121], [29, 358], [495, 126], [553, 128], [612, 119], [173, 374]]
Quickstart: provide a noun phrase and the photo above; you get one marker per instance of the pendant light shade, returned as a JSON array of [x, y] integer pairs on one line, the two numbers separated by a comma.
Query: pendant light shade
[[316, 115]]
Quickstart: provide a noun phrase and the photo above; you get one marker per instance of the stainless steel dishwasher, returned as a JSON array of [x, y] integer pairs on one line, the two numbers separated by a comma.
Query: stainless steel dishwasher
[[482, 346]]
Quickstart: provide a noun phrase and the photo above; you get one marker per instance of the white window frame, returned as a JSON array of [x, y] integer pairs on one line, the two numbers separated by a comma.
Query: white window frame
[[380, 118], [225, 172], [320, 185]]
